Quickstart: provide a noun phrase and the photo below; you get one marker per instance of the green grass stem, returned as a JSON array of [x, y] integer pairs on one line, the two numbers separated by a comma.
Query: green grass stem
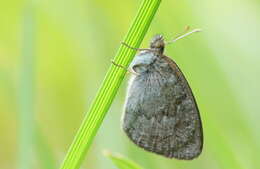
[[109, 87]]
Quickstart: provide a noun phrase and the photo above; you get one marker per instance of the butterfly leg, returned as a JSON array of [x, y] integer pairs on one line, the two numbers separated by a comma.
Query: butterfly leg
[[137, 49], [127, 69]]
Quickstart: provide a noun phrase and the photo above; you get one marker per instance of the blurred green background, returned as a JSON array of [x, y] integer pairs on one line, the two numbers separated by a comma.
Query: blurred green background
[[54, 56]]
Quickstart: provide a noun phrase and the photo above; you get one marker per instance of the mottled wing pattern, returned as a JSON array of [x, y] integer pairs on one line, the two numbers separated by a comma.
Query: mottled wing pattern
[[161, 114], [198, 134]]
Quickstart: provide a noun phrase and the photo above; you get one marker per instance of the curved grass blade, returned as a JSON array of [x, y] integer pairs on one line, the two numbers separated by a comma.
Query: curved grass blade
[[122, 162]]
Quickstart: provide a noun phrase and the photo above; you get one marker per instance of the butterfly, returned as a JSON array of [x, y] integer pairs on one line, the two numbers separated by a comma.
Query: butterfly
[[160, 113]]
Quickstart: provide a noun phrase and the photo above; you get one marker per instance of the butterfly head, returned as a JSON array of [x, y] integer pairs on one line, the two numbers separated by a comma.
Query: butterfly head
[[157, 43]]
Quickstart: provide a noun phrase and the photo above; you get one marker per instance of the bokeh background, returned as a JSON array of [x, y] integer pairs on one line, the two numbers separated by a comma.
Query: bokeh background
[[54, 55]]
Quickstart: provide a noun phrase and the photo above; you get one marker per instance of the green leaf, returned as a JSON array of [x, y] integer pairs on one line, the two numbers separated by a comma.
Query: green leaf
[[122, 162], [109, 87], [43, 150]]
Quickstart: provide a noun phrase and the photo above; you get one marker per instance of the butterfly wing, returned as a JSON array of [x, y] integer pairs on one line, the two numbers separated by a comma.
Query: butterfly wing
[[161, 114], [197, 139]]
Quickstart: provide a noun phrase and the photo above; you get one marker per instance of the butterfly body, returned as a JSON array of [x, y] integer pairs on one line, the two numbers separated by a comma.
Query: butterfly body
[[161, 114]]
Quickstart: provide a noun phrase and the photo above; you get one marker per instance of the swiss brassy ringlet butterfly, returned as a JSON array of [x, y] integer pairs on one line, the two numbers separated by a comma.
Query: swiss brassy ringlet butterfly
[[161, 114]]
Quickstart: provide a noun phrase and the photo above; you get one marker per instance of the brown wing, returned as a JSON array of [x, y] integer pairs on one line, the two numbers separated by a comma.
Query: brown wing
[[182, 79], [161, 114]]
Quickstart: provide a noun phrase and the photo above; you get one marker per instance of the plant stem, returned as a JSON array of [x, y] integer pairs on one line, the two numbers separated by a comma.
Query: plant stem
[[109, 87]]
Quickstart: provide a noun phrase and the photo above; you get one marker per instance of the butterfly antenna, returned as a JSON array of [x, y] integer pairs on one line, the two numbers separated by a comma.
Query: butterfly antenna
[[182, 36], [186, 29]]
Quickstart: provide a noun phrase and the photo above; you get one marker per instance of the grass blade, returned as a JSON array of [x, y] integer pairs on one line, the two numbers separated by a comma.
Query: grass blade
[[43, 150], [121, 162], [109, 87]]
